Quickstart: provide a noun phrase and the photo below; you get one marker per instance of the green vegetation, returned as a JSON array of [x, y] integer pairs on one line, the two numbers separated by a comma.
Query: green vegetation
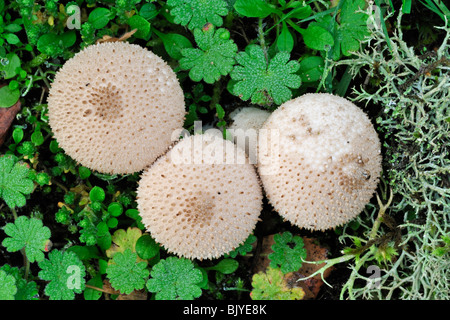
[[67, 232]]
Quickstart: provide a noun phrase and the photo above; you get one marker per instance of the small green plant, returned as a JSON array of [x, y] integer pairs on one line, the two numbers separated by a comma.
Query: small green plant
[[65, 273], [15, 181], [264, 82], [288, 252], [8, 286], [271, 285], [23, 289], [175, 278], [28, 234], [125, 273], [197, 13], [214, 56]]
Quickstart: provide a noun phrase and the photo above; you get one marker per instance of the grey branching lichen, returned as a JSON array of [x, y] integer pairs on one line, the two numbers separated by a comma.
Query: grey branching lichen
[[414, 92]]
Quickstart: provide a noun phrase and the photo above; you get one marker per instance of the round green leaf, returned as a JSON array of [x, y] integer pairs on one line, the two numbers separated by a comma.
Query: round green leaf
[[11, 38], [84, 172], [13, 85], [17, 134], [54, 147], [146, 247], [99, 17], [142, 26], [317, 38], [8, 97], [9, 65], [112, 223], [46, 41], [174, 43], [311, 68], [97, 194], [115, 209], [37, 138], [148, 11], [68, 38], [102, 229]]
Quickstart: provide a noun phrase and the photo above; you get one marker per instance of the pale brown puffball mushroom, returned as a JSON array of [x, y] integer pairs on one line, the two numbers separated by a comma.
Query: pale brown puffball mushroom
[[322, 166], [197, 200], [113, 107], [244, 129]]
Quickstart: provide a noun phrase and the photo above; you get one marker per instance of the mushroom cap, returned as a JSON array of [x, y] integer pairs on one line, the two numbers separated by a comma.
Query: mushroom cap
[[113, 107], [244, 129], [195, 203], [323, 164]]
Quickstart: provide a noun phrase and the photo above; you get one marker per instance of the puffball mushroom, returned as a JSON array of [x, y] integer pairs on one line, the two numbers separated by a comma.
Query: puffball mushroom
[[323, 164], [244, 129], [113, 107], [197, 200]]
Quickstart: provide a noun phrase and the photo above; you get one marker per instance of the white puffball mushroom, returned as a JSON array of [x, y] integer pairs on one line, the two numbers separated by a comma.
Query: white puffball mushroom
[[197, 201], [114, 106], [244, 129], [323, 164]]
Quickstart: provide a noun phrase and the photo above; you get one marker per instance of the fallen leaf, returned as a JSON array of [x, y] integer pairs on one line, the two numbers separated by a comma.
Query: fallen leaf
[[311, 286], [315, 252]]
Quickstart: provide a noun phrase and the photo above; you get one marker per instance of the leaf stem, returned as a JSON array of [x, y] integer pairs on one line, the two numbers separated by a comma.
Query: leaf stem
[[262, 41]]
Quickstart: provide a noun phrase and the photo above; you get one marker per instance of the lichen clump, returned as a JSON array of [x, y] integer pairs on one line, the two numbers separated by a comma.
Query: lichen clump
[[197, 201], [108, 104], [323, 163]]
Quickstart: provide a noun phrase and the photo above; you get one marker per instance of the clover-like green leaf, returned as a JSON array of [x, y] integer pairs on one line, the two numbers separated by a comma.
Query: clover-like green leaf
[[28, 233], [288, 252], [272, 286], [196, 13], [14, 181], [175, 278], [66, 273], [214, 56], [264, 82], [7, 286], [25, 290], [125, 273], [351, 29], [124, 240]]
